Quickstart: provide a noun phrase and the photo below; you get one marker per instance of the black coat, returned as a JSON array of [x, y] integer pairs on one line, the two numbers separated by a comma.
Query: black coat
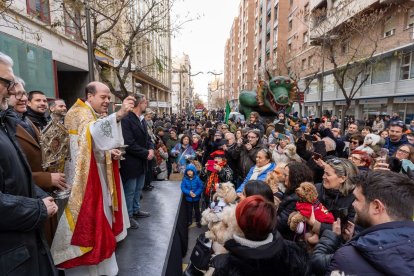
[[278, 257], [139, 143], [286, 207], [324, 251], [23, 248], [384, 249], [334, 201]]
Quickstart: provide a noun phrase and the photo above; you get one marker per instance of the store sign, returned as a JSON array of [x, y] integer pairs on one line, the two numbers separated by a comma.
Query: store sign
[[409, 99], [373, 101], [159, 104], [344, 102]]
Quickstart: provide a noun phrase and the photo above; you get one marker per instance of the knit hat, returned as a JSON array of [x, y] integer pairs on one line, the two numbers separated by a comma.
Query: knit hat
[[218, 153]]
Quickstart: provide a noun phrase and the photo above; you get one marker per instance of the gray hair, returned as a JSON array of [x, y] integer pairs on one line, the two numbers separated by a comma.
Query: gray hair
[[230, 134], [19, 80], [6, 60], [138, 98]]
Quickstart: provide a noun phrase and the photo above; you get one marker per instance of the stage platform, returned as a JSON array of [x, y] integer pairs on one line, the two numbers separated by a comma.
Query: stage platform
[[156, 247]]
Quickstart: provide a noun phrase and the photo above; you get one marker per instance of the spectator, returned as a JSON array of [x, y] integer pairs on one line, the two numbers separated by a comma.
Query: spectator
[[262, 250], [183, 152], [335, 192], [263, 165], [411, 127], [255, 123], [257, 187], [366, 130], [192, 187], [384, 134], [24, 207], [361, 159], [161, 157], [171, 143], [355, 141], [384, 207], [36, 109], [232, 158], [248, 151], [295, 173], [378, 125], [352, 129], [396, 138]]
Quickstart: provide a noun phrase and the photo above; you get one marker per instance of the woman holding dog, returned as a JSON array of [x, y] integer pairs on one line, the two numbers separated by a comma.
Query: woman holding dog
[[335, 192], [295, 173]]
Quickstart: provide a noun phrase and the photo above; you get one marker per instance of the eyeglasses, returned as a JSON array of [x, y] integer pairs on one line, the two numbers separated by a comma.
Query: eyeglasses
[[19, 95], [9, 83], [403, 151], [398, 123]]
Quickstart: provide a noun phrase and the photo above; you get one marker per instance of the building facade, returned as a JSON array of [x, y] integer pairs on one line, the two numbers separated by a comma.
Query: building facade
[[389, 86], [45, 41], [181, 83]]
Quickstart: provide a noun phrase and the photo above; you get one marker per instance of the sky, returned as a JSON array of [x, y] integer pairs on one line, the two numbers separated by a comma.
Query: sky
[[203, 39]]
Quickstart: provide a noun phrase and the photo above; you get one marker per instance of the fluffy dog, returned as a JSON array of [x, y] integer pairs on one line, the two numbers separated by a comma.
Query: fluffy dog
[[220, 218], [308, 198]]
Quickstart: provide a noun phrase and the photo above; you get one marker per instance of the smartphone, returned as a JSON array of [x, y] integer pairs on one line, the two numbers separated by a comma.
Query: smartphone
[[342, 213], [210, 165], [309, 137], [316, 155]]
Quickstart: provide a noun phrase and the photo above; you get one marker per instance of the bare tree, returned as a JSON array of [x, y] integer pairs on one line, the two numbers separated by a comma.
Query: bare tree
[[127, 26]]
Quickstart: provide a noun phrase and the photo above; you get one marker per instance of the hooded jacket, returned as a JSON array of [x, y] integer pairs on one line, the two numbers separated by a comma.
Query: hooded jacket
[[194, 184], [274, 257], [384, 249]]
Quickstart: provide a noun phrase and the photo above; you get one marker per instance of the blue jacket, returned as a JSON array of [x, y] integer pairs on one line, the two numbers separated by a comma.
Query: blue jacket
[[393, 146], [194, 184], [261, 176], [384, 249]]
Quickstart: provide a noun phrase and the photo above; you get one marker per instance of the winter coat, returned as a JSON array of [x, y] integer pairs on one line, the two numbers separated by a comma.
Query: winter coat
[[393, 146], [261, 176], [278, 257], [38, 119], [377, 126], [247, 158], [194, 184], [23, 248], [324, 251], [180, 152], [384, 249], [286, 207], [233, 161], [225, 175], [334, 201]]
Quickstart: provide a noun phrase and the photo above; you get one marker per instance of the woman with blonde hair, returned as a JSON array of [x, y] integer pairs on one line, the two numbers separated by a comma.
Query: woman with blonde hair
[[335, 191]]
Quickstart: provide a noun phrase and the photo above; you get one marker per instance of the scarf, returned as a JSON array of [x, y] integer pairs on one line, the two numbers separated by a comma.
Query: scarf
[[257, 171], [213, 179], [195, 146]]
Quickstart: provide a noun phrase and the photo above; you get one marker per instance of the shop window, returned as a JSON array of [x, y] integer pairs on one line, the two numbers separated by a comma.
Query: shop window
[[381, 71], [39, 9]]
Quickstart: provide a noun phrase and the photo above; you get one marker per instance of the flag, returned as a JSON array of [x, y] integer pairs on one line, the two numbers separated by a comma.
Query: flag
[[228, 110]]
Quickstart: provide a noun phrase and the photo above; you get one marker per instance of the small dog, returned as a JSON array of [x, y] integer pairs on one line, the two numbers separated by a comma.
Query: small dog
[[308, 198]]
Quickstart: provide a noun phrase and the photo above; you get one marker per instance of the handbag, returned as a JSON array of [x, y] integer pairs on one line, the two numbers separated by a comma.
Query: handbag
[[201, 255], [156, 170], [191, 270]]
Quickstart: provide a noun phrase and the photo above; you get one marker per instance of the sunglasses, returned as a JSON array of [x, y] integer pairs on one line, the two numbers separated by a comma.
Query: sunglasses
[[398, 123], [354, 142], [9, 83]]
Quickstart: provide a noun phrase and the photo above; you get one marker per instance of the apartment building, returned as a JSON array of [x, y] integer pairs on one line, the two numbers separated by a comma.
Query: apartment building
[[239, 53], [181, 86], [389, 87], [44, 41]]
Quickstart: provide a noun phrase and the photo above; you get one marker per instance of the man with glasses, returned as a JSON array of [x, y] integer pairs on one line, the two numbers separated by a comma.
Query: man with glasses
[[24, 207], [396, 137]]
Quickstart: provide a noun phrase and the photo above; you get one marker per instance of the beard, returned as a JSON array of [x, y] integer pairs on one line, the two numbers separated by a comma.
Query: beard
[[362, 219], [3, 104]]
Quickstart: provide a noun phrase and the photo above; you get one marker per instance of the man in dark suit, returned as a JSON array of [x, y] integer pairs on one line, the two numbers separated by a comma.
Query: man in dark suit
[[139, 151]]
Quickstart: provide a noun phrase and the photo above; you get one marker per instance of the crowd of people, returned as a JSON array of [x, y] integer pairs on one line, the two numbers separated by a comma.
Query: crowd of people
[[363, 178]]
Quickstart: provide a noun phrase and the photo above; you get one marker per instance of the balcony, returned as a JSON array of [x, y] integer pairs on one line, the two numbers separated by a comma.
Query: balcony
[[335, 15]]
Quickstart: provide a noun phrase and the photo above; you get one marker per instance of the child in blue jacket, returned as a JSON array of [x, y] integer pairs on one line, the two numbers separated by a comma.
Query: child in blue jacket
[[192, 188]]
